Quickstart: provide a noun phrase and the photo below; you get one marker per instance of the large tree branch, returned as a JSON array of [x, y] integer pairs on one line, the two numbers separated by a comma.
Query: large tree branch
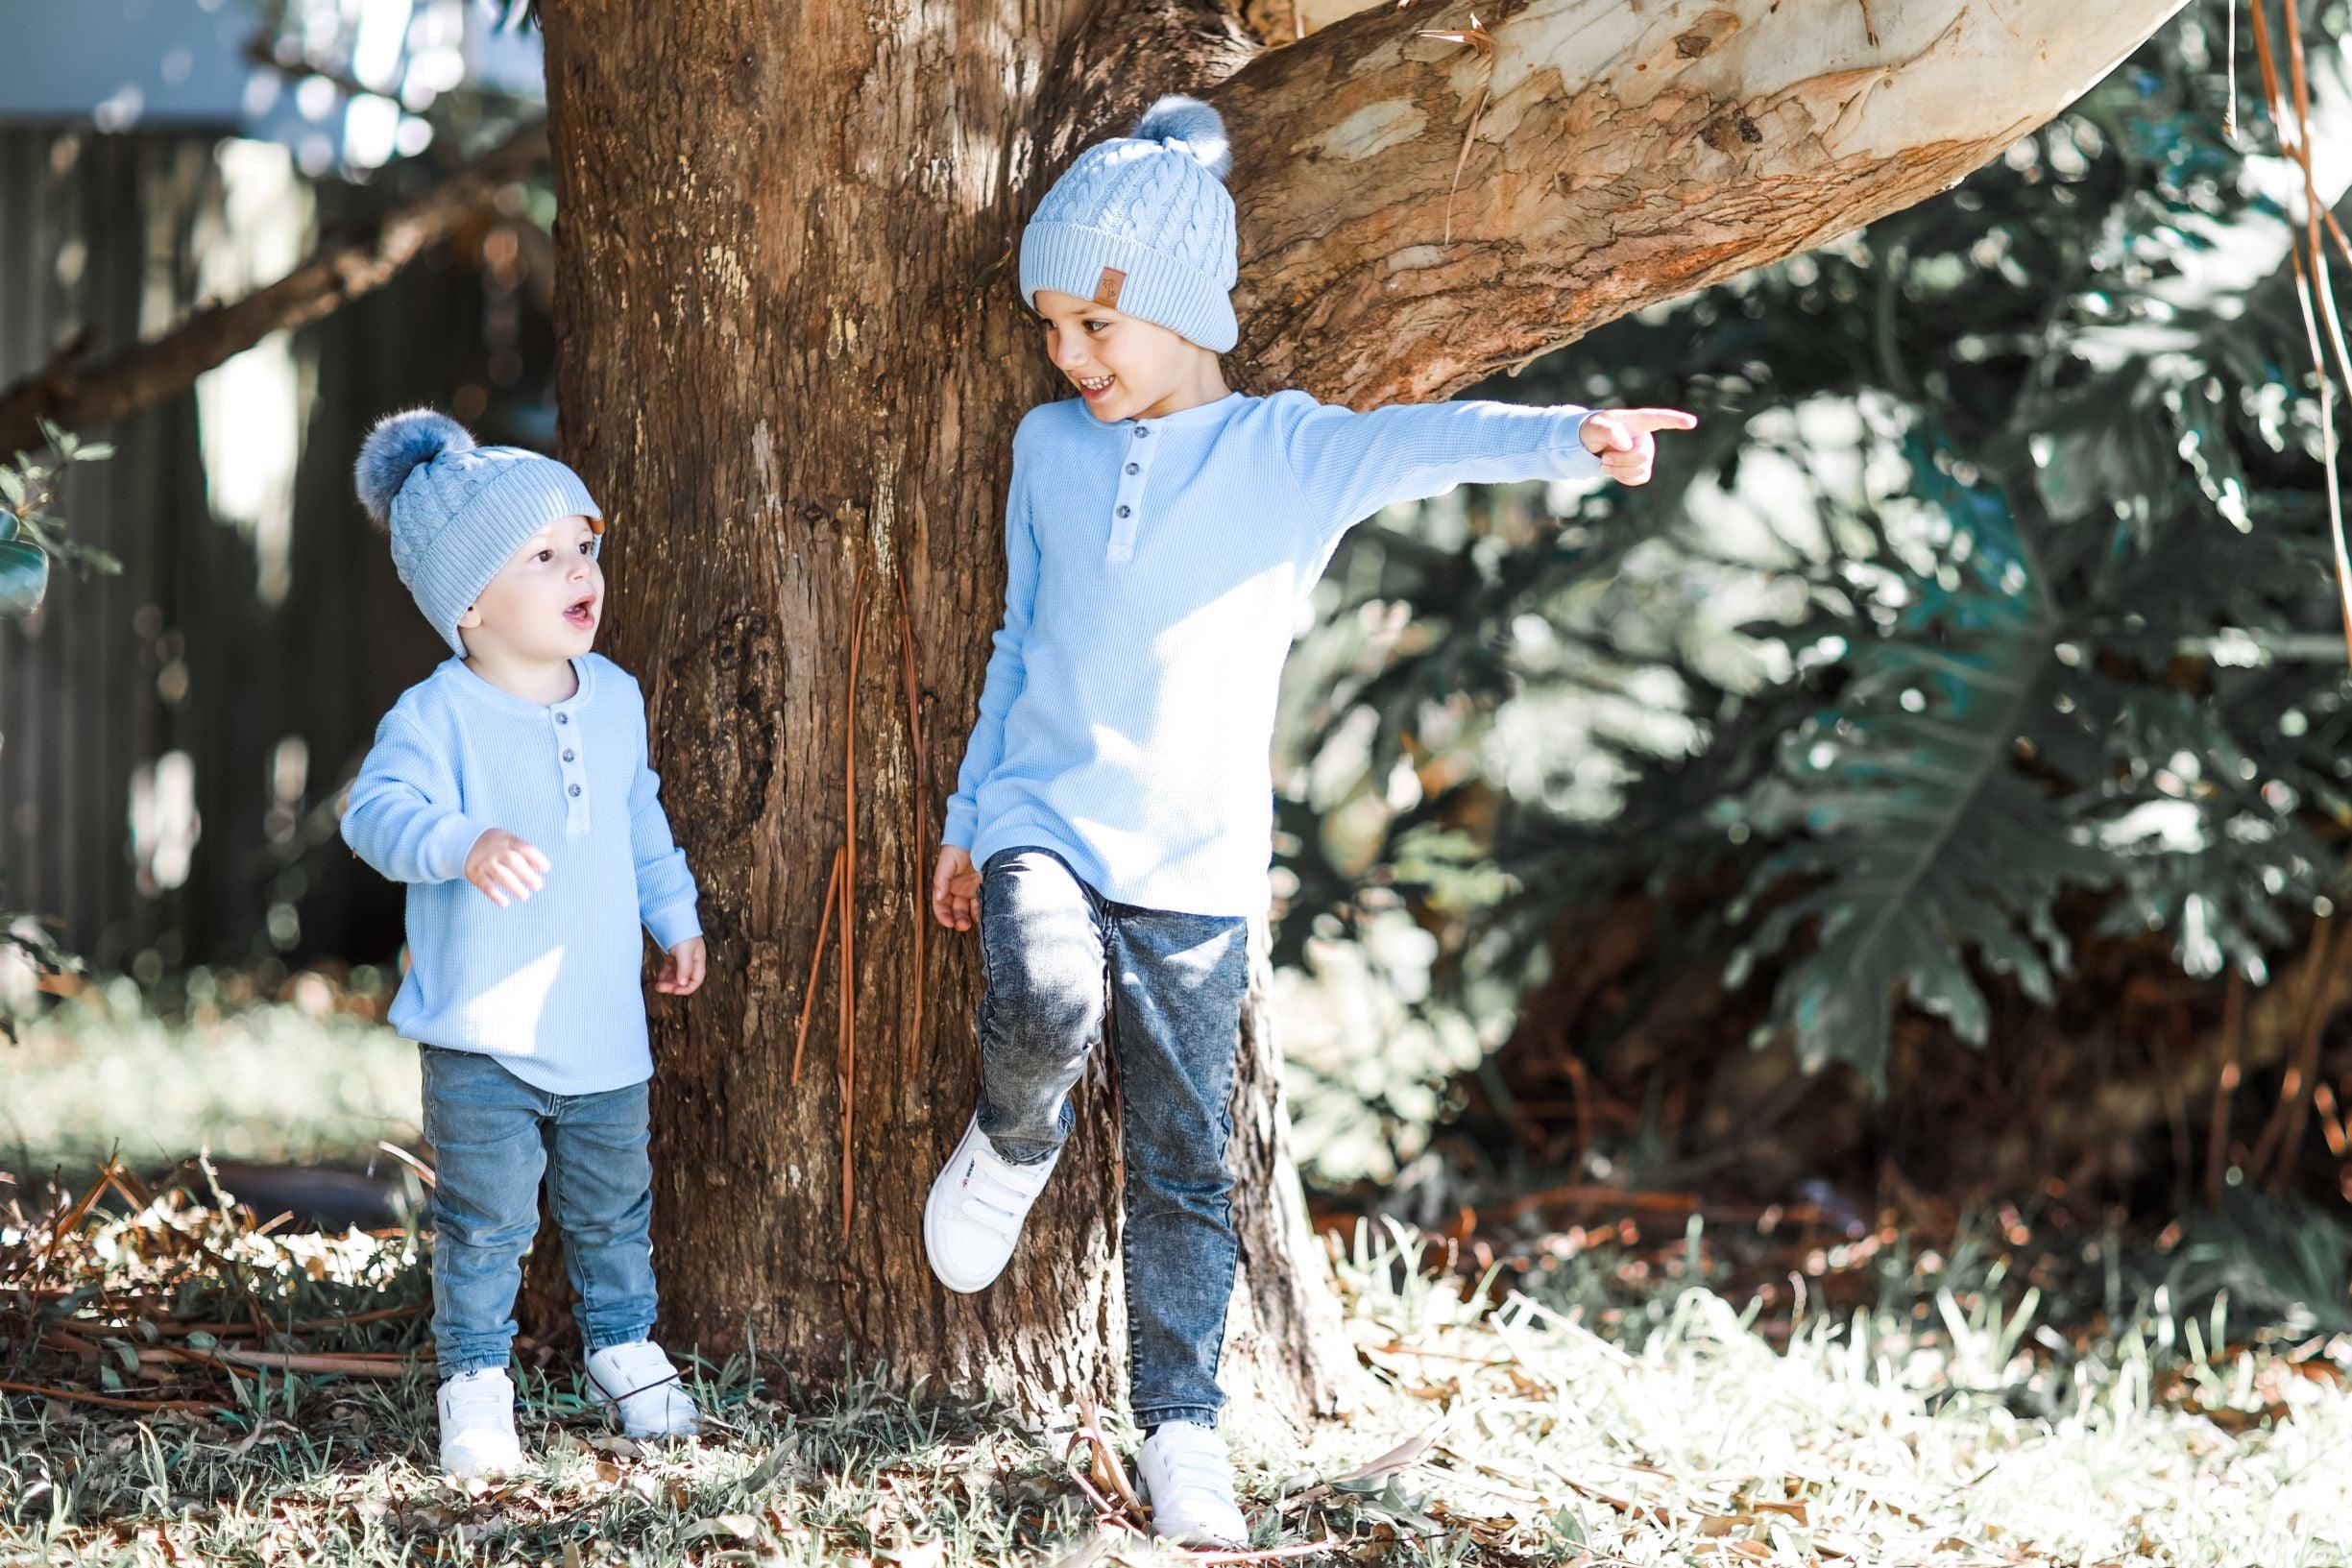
[[82, 398], [1625, 155]]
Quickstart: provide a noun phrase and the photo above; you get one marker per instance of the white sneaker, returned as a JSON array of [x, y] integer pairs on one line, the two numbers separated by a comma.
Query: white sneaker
[[973, 1220], [647, 1391], [477, 1424], [1189, 1482]]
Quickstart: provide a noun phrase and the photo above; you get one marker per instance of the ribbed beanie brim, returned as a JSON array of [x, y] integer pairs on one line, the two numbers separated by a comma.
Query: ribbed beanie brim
[[1151, 207], [485, 531]]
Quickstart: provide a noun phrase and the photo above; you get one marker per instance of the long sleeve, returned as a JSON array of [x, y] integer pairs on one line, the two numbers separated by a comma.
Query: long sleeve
[[403, 817], [1349, 464], [1007, 666], [666, 891]]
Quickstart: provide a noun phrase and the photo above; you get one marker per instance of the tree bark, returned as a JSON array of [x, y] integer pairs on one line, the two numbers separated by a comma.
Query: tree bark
[[1626, 153], [791, 361]]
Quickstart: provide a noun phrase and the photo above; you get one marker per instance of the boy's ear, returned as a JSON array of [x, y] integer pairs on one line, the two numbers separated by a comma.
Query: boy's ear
[[472, 618]]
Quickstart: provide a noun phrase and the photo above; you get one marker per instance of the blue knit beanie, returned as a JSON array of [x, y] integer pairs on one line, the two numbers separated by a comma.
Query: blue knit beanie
[[1143, 223], [457, 512]]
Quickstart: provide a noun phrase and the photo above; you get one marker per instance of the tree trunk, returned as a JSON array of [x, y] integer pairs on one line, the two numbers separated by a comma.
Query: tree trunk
[[791, 361]]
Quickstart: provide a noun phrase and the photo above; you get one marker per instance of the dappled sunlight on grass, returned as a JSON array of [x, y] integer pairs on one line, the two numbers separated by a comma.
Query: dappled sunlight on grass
[[1501, 1430]]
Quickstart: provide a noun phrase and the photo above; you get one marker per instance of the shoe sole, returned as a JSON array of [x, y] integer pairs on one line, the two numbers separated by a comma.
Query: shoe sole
[[1203, 1541], [649, 1434]]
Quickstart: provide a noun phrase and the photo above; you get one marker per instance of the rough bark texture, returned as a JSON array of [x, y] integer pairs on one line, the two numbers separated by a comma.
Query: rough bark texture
[[793, 359], [791, 362]]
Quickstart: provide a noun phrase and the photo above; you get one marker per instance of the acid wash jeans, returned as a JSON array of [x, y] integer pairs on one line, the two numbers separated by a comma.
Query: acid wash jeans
[[1177, 984], [493, 1137]]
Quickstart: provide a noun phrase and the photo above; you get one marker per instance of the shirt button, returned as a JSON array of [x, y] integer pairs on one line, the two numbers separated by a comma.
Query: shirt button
[[567, 754], [575, 789], [1134, 468], [1126, 511], [1141, 431], [563, 718]]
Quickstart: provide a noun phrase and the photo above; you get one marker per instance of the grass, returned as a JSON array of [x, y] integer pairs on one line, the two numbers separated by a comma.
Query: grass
[[1503, 1430], [1614, 1404], [303, 1079]]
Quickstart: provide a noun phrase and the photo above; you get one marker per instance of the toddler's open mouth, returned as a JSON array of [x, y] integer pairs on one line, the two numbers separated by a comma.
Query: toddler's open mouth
[[582, 614], [1095, 386]]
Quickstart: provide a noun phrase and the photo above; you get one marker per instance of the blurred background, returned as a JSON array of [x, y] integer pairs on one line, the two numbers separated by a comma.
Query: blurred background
[[1919, 814]]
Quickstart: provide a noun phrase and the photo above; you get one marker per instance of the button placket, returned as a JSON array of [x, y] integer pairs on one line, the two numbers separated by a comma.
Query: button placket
[[1127, 503], [574, 772]]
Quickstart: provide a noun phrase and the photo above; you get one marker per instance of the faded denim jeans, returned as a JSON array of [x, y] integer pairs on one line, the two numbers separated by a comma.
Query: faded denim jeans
[[1175, 984], [493, 1137]]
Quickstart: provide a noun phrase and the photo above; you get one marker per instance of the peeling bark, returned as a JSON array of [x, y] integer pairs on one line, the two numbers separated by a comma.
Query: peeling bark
[[1628, 154]]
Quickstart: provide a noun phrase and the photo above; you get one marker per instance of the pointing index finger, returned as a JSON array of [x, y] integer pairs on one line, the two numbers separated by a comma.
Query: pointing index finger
[[1664, 418]]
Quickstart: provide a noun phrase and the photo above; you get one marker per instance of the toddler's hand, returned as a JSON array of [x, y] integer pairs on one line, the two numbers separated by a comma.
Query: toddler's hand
[[955, 889], [1620, 438], [682, 969], [505, 868]]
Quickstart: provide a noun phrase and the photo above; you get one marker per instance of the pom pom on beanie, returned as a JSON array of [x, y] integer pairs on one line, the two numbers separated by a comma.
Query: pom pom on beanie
[[1143, 225], [393, 449], [1188, 122]]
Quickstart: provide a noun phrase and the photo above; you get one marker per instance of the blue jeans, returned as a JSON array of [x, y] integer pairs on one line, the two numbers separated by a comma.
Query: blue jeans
[[493, 1137], [1175, 984]]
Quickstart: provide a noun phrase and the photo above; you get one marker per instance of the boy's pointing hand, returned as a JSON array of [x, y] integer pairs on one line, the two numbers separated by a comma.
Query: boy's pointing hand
[[506, 869], [1622, 438]]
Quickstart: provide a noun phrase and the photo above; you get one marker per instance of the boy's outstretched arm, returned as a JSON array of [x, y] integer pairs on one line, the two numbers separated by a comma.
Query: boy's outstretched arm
[[1349, 464]]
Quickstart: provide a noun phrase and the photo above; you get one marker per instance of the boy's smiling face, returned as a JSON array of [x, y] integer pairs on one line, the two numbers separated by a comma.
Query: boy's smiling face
[[1121, 365], [545, 604]]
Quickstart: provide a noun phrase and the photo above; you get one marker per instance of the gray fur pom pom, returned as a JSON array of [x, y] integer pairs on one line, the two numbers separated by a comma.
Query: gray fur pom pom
[[1190, 121], [394, 449]]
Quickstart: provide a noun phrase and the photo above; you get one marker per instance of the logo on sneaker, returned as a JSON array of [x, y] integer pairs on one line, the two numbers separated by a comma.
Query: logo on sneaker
[[970, 1166]]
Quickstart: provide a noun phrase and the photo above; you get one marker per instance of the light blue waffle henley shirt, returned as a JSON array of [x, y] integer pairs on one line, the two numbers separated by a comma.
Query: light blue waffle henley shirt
[[551, 986], [1154, 571]]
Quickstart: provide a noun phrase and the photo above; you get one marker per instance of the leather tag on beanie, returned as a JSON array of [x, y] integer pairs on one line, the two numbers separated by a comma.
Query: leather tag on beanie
[[1106, 292]]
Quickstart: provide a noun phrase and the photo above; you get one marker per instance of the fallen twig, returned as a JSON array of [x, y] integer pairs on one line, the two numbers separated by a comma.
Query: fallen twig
[[1103, 1460], [77, 1397], [846, 1058], [917, 834], [424, 1172], [352, 1363], [816, 962]]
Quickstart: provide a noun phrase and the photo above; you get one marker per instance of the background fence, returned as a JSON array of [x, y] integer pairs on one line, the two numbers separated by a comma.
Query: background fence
[[175, 736]]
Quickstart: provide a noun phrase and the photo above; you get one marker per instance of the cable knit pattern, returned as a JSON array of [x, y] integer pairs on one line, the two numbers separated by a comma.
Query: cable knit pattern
[[551, 986], [1154, 571], [462, 511], [1152, 207]]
